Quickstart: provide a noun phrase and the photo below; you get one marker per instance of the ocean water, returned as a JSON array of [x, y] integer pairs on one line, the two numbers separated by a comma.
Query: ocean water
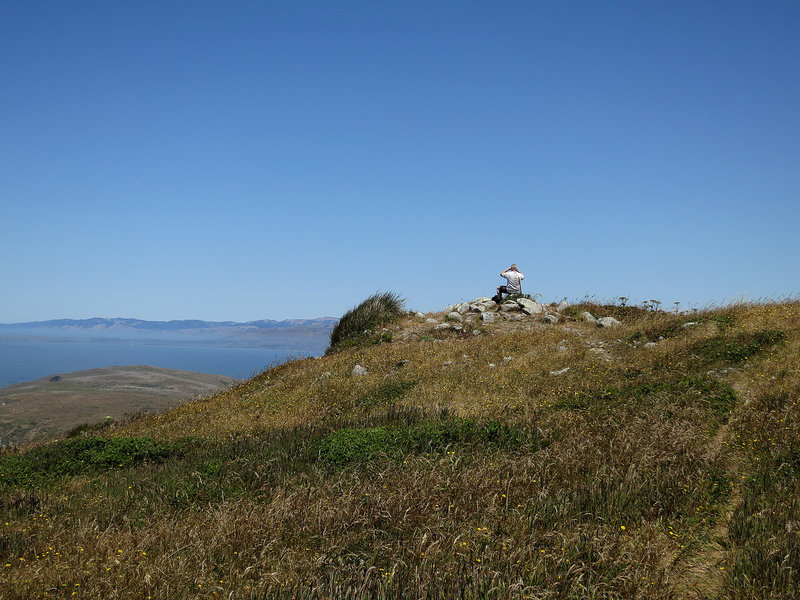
[[22, 361]]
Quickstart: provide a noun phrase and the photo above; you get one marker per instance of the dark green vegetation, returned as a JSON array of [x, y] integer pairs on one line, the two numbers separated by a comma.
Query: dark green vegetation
[[77, 456], [357, 326], [353, 445], [666, 471]]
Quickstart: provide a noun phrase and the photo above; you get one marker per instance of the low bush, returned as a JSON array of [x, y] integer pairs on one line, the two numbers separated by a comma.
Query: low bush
[[357, 325]]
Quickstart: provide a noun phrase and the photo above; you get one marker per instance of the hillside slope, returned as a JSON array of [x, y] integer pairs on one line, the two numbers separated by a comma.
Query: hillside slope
[[519, 458], [53, 405]]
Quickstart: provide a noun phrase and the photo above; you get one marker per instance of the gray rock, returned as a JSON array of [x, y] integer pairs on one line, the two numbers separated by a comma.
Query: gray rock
[[477, 307], [650, 345], [454, 316], [420, 315], [588, 317], [431, 321], [560, 372], [463, 308], [457, 327], [608, 322], [508, 305], [552, 319], [442, 326], [530, 307], [482, 300], [359, 370], [689, 324], [562, 305], [507, 359], [487, 317]]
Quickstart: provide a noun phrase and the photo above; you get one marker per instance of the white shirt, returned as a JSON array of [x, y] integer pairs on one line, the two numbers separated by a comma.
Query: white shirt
[[514, 278]]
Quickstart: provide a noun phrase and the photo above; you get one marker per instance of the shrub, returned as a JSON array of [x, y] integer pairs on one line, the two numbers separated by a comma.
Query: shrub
[[357, 325]]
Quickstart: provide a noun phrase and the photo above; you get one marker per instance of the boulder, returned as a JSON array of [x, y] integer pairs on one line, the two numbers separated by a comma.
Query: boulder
[[454, 316], [359, 370], [509, 305], [487, 317], [588, 317], [608, 322], [563, 305], [463, 308], [431, 321], [552, 319], [530, 307], [420, 315], [560, 371], [441, 326]]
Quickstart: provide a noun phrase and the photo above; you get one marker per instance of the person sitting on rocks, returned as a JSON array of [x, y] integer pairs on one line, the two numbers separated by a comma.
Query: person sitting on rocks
[[514, 285]]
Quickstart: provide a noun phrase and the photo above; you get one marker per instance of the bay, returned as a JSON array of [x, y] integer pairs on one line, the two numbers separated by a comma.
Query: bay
[[22, 361]]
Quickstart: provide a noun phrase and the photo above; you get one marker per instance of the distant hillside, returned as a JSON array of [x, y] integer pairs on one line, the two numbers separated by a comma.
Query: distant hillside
[[305, 335], [51, 406], [514, 451]]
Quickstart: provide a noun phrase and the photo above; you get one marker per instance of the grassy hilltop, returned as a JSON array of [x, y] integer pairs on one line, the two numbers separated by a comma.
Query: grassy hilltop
[[663, 463]]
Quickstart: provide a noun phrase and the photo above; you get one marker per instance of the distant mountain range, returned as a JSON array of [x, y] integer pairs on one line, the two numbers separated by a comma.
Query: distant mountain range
[[304, 334]]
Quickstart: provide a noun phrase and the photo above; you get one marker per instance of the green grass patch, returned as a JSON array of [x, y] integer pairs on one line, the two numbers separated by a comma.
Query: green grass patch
[[385, 394], [360, 444], [736, 349], [715, 396], [76, 456]]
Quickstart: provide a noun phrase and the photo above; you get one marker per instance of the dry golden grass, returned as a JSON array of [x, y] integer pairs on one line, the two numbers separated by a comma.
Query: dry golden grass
[[668, 471]]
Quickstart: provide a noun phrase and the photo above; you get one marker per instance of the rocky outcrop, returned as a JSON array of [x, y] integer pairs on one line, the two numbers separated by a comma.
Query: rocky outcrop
[[530, 307], [488, 311], [608, 322]]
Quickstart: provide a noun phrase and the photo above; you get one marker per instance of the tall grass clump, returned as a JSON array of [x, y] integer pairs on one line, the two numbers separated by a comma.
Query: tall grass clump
[[358, 324]]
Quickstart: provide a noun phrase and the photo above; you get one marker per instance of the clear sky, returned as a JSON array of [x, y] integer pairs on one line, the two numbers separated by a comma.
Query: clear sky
[[250, 160]]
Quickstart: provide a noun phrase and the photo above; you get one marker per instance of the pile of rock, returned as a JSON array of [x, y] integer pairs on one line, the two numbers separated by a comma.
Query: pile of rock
[[487, 310], [484, 304]]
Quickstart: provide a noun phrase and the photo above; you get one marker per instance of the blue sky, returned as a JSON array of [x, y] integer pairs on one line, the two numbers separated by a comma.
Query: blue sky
[[249, 160]]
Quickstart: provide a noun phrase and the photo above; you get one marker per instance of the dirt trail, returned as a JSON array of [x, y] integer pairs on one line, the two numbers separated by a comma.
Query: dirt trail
[[702, 574]]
